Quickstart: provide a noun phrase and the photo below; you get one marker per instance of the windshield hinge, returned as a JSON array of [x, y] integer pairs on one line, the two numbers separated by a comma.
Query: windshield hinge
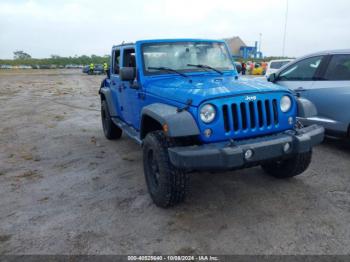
[[186, 107]]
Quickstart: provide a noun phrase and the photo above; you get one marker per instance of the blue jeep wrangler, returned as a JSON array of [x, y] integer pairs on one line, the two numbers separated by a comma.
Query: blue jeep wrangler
[[183, 101]]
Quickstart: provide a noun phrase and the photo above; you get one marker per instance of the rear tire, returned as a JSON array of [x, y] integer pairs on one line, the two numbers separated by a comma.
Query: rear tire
[[110, 130], [288, 168], [166, 184]]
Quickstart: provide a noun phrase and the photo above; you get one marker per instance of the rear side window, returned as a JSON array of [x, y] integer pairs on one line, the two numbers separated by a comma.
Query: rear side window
[[338, 68], [116, 61], [129, 58], [303, 70]]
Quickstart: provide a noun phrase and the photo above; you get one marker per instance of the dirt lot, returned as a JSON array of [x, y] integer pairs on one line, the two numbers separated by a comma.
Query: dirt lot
[[65, 189]]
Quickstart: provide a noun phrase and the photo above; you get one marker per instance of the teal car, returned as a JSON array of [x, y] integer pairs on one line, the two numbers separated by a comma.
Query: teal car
[[324, 79]]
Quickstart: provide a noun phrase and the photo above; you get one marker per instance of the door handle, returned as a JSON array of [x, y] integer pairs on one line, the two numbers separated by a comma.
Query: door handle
[[300, 89]]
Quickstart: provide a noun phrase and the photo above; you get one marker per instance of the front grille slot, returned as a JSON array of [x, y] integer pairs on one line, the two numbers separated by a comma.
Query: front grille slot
[[268, 112], [244, 116], [226, 118], [260, 114], [235, 117], [275, 111], [250, 115]]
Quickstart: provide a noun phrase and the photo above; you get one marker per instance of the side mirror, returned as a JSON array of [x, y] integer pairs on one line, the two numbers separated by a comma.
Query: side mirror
[[272, 78], [127, 74]]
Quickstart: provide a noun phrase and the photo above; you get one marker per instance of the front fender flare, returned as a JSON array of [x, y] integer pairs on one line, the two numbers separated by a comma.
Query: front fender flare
[[179, 123], [306, 108]]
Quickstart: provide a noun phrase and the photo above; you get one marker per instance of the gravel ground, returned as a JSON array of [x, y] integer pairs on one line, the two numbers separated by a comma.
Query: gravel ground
[[65, 189]]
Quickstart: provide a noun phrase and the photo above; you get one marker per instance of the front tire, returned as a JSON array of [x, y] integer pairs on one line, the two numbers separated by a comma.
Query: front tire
[[290, 167], [166, 184], [110, 130]]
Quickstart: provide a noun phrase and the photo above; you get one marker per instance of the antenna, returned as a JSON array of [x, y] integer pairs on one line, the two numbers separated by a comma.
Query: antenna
[[260, 36], [285, 30]]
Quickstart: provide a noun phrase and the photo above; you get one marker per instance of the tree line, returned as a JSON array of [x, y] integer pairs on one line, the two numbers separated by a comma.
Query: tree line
[[23, 58]]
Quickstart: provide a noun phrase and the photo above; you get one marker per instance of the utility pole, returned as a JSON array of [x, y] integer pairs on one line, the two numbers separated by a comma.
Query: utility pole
[[260, 35], [285, 29]]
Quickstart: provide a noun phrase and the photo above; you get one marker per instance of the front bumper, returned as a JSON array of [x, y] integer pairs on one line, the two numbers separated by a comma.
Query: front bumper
[[231, 155]]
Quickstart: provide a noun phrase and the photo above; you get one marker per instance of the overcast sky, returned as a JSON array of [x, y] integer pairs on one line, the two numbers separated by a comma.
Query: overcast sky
[[76, 27]]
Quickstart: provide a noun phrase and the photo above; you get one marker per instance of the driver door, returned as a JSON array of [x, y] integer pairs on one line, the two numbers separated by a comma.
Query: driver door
[[115, 83], [131, 90]]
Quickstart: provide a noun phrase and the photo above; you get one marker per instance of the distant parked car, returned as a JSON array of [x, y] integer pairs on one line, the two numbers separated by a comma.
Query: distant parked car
[[5, 67], [98, 70], [257, 70], [274, 65], [324, 79], [44, 66], [72, 66], [24, 67], [86, 69]]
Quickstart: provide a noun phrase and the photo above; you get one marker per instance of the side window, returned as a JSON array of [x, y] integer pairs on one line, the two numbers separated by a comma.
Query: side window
[[338, 68], [129, 58], [303, 70], [116, 61]]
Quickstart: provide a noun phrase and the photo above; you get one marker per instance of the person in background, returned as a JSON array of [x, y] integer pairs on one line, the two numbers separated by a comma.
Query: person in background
[[264, 67], [105, 68], [251, 69], [92, 67], [244, 68]]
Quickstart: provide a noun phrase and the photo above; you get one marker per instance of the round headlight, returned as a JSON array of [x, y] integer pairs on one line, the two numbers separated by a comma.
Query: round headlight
[[207, 113], [285, 104]]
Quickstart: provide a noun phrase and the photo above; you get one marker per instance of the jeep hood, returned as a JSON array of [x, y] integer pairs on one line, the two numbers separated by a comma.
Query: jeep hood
[[204, 87]]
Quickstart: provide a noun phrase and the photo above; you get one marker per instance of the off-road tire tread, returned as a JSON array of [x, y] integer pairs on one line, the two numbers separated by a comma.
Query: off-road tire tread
[[113, 132], [289, 167], [177, 180]]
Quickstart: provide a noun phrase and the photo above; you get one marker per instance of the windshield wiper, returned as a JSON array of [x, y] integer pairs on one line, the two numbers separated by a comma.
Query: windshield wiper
[[168, 69], [207, 67]]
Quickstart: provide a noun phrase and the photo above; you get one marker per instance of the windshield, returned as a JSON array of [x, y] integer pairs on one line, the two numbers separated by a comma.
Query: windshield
[[182, 56]]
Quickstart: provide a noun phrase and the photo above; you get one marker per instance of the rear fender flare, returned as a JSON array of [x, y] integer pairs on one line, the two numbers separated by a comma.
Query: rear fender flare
[[106, 94]]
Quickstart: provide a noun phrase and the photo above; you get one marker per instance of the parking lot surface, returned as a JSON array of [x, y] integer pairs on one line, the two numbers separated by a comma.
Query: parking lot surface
[[65, 189]]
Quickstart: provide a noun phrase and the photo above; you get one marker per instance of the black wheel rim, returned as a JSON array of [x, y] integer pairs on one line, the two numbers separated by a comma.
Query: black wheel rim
[[153, 171]]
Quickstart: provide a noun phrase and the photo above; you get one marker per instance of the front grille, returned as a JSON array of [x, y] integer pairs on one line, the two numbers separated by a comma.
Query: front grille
[[250, 115]]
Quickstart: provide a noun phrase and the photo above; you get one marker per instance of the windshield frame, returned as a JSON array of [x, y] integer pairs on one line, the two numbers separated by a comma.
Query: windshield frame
[[189, 70]]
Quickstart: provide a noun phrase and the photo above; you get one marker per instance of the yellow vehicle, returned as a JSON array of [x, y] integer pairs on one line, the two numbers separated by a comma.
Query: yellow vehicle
[[257, 70]]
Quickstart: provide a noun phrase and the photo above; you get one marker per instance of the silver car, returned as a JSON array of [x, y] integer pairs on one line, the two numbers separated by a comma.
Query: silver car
[[274, 65], [324, 79]]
